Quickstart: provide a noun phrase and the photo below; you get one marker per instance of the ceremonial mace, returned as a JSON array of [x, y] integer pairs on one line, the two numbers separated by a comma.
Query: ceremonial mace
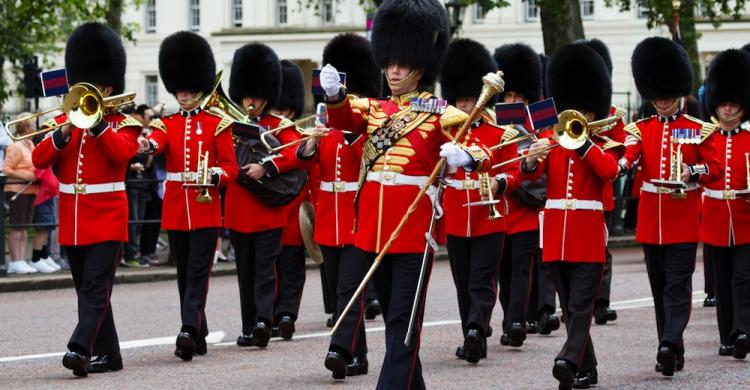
[[493, 84]]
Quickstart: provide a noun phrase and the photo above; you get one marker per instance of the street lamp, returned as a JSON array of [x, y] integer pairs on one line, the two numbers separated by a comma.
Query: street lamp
[[455, 9]]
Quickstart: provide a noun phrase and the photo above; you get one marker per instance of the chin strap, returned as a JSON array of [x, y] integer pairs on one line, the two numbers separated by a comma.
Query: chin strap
[[398, 84]]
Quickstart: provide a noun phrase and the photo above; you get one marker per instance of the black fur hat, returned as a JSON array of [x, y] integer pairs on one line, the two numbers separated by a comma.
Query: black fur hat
[[353, 55], [466, 62], [94, 54], [577, 79], [411, 32], [728, 80], [661, 69], [186, 63], [522, 68], [292, 89], [601, 48], [746, 48], [256, 72], [545, 60]]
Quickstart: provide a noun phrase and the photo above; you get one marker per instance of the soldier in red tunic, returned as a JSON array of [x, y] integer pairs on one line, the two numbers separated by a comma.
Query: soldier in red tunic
[[256, 230], [187, 67], [406, 136], [669, 218], [573, 230], [725, 223], [93, 205], [475, 240]]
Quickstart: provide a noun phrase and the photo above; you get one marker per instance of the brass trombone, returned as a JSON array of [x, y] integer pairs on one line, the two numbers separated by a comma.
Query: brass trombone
[[84, 106], [306, 134]]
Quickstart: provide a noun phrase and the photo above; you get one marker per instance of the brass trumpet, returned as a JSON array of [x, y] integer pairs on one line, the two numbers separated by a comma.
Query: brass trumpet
[[203, 177], [487, 196], [84, 106]]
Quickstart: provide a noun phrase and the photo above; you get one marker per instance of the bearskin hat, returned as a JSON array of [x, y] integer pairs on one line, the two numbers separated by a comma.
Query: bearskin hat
[[522, 68], [411, 32], [577, 78], [256, 72], [728, 80], [746, 48], [466, 62], [545, 60], [601, 48], [661, 69], [186, 63], [94, 54], [292, 89], [353, 55]]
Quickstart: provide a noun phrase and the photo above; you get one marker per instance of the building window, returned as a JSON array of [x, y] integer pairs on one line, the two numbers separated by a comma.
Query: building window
[[642, 10], [152, 90], [532, 10], [281, 12], [195, 15], [326, 11], [587, 9], [237, 13], [479, 13], [151, 16]]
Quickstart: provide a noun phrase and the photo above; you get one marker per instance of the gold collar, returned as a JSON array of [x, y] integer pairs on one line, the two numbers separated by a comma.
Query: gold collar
[[404, 99]]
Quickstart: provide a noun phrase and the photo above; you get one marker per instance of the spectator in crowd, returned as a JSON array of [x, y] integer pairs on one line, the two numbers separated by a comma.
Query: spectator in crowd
[[17, 167], [150, 232], [138, 190], [44, 215], [4, 142]]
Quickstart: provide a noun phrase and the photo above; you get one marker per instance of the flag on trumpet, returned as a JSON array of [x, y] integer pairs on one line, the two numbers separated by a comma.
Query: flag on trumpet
[[317, 90], [510, 113], [54, 82], [543, 114]]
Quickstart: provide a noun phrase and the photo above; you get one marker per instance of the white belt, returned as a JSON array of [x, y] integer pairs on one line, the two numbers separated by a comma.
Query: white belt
[[574, 204], [182, 176], [396, 179], [722, 195], [338, 186], [83, 189], [649, 187], [468, 184]]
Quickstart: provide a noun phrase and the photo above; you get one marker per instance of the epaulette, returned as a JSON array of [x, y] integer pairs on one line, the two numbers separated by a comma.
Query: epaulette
[[225, 123], [361, 104], [619, 112], [706, 128], [49, 123], [609, 143], [632, 129], [129, 121], [452, 117], [158, 124], [284, 120]]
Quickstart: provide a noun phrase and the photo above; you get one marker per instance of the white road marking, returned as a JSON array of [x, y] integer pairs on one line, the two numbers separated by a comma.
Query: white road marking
[[215, 338]]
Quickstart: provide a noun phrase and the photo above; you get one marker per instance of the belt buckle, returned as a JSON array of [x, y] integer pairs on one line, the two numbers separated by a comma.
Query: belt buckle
[[388, 178], [728, 195], [570, 204], [663, 190], [468, 184], [338, 186], [79, 189], [186, 177]]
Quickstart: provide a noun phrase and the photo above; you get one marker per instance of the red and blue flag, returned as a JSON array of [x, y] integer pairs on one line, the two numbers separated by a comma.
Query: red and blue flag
[[543, 114], [54, 82], [510, 113]]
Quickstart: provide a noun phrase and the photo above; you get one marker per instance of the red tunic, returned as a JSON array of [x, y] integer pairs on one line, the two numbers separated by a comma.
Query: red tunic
[[474, 221], [338, 162], [247, 213], [661, 218], [180, 137], [381, 205], [88, 160], [575, 234], [727, 222], [616, 134], [292, 234]]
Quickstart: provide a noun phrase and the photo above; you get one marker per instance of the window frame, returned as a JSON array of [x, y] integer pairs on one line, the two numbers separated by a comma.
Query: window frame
[[583, 7], [194, 12], [528, 7], [235, 9], [152, 89], [150, 9], [282, 4]]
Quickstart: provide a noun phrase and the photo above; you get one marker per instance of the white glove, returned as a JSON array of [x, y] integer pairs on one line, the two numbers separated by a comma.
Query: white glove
[[330, 80], [454, 155]]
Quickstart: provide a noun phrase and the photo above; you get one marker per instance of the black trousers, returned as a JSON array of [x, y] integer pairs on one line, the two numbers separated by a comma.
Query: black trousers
[[349, 265], [602, 300], [290, 268], [732, 270], [193, 252], [474, 262], [577, 285], [330, 283], [256, 255], [150, 231], [329, 295], [137, 200], [93, 268], [515, 275], [709, 278], [670, 269], [396, 283], [542, 297]]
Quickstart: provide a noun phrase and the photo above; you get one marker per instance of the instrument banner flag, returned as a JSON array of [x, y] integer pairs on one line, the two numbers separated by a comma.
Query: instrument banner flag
[[543, 113], [317, 90], [54, 82], [510, 113]]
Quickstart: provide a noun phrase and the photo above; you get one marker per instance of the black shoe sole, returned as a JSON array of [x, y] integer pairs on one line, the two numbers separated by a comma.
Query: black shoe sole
[[337, 366], [286, 330], [96, 369], [473, 348], [361, 370], [565, 376], [78, 367], [186, 348], [741, 348], [668, 362], [516, 337]]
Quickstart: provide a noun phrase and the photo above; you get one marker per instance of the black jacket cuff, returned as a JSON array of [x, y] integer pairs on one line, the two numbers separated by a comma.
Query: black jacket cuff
[[270, 167], [583, 149], [59, 140], [99, 128]]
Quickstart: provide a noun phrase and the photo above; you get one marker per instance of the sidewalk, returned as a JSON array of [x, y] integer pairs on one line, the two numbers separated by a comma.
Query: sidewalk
[[63, 279]]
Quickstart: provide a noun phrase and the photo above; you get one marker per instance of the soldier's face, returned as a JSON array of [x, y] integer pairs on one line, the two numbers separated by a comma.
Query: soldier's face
[[664, 103], [514, 97], [253, 105], [729, 112], [402, 78], [286, 113], [186, 99], [466, 104]]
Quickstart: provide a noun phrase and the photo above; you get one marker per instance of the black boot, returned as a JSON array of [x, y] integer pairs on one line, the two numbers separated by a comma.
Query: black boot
[[104, 363]]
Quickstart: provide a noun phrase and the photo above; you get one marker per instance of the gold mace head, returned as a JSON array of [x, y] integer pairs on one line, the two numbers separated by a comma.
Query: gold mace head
[[493, 84], [676, 5]]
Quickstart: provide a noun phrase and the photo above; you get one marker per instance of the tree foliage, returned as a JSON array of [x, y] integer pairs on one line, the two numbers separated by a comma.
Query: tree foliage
[[39, 27], [561, 23]]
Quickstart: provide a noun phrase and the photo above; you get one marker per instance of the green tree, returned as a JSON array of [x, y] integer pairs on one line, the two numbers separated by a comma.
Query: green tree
[[660, 14], [39, 27], [561, 23]]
